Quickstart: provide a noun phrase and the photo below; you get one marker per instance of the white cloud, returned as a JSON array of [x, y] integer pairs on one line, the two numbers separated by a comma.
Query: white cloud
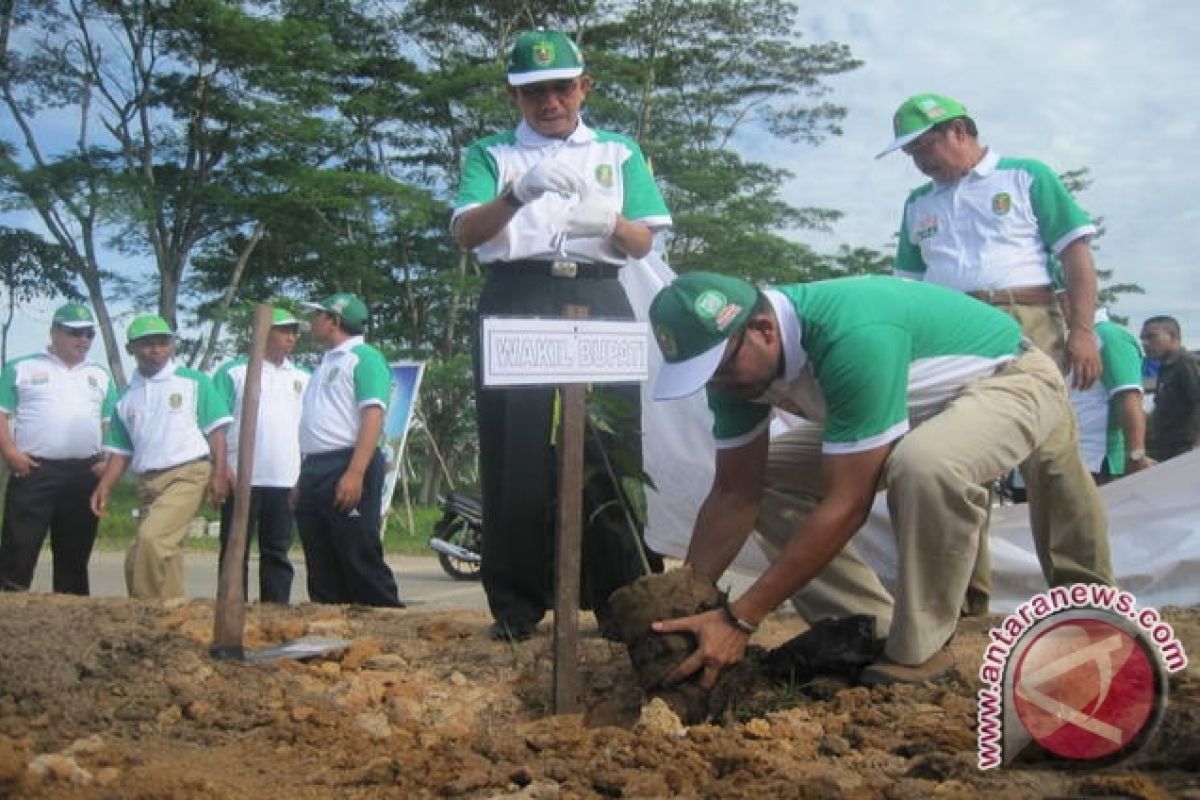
[[1106, 85]]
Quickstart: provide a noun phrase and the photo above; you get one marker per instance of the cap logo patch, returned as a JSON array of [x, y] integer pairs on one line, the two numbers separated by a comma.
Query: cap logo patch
[[931, 109], [338, 307], [709, 303], [1002, 203], [543, 53], [604, 175], [175, 401], [727, 315], [666, 342]]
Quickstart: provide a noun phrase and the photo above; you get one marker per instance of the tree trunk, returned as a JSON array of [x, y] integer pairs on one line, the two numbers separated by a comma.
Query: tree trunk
[[230, 291]]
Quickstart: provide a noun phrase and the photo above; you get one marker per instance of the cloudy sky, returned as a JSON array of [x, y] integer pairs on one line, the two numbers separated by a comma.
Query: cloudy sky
[[1106, 84], [1109, 85]]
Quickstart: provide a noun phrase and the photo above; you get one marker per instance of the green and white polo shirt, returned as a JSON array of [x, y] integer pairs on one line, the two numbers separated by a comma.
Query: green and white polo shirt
[[1100, 431], [617, 175], [351, 377], [162, 421], [885, 353], [56, 410], [996, 227], [277, 433]]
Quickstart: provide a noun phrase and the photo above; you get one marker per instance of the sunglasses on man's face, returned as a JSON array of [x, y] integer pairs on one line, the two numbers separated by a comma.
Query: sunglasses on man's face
[[538, 91], [80, 333]]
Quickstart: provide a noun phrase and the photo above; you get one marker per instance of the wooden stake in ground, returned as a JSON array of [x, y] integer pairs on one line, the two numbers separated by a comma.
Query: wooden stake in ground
[[229, 620], [570, 536]]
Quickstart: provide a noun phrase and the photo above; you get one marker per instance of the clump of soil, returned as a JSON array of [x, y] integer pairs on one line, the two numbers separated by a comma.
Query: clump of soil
[[108, 698]]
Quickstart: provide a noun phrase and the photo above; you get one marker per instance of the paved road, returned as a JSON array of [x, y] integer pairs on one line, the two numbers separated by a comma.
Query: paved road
[[423, 584]]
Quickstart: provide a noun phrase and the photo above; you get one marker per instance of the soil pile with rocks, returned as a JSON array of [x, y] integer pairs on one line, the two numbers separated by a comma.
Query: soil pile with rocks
[[109, 698]]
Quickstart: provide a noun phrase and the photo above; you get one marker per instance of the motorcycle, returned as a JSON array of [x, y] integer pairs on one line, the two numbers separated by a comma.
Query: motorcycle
[[458, 536]]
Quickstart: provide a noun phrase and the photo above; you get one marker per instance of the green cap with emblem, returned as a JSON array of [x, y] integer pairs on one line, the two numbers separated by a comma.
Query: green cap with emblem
[[693, 319], [543, 55], [918, 114], [147, 325], [281, 316], [344, 305], [74, 315]]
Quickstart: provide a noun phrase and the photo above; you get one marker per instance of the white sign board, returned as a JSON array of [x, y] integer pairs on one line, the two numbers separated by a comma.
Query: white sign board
[[523, 352]]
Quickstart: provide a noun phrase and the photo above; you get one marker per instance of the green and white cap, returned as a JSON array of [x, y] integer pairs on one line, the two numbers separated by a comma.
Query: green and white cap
[[147, 325], [543, 55], [918, 114], [693, 319], [281, 316], [344, 305], [74, 315]]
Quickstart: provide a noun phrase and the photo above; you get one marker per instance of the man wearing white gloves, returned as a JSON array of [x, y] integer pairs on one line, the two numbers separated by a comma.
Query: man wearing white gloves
[[552, 210]]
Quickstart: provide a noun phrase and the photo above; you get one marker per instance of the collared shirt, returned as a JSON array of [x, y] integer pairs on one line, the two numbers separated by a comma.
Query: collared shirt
[[996, 227], [1100, 431], [1172, 423], [162, 421], [57, 410], [617, 175], [351, 377], [885, 354], [277, 433]]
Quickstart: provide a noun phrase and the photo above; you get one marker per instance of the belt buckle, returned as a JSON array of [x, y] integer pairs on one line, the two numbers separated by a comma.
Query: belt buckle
[[564, 269]]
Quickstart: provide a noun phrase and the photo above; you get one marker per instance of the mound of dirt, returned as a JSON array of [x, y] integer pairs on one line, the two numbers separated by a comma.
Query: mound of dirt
[[120, 699]]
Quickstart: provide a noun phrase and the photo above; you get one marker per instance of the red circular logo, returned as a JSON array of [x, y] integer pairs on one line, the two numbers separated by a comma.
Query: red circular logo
[[1085, 688]]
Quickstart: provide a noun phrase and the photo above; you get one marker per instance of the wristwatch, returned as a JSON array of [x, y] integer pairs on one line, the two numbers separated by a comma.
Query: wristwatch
[[1135, 455], [510, 197]]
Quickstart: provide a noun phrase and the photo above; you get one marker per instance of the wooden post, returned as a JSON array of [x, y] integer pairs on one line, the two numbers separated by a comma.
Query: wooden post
[[570, 537], [229, 620]]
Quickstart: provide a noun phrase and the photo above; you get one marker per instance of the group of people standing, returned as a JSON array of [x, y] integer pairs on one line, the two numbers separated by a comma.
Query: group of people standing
[[317, 465]]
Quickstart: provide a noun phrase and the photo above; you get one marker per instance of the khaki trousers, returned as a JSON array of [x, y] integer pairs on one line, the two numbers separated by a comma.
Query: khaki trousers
[[935, 481], [167, 501], [1044, 326]]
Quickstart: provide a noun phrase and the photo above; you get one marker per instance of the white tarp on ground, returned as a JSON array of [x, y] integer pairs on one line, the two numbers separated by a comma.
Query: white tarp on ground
[[1154, 516]]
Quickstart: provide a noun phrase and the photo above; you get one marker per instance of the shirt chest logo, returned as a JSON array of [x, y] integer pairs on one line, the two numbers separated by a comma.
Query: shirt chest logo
[[175, 401], [39, 379], [298, 386], [927, 228], [332, 375], [605, 175], [1001, 203]]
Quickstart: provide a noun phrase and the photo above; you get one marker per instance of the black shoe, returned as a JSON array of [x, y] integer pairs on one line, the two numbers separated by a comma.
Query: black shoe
[[510, 631]]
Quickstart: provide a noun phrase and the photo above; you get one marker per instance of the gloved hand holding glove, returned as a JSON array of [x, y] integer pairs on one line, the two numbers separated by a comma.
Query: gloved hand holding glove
[[548, 175], [591, 218]]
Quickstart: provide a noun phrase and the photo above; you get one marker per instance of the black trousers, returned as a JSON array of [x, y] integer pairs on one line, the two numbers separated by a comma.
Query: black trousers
[[53, 496], [272, 522], [342, 550], [518, 468]]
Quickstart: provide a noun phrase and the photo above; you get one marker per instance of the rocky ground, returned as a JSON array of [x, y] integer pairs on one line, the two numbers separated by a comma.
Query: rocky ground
[[120, 699]]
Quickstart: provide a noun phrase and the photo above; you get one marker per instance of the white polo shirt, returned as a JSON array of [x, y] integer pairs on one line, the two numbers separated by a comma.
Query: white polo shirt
[[996, 227], [56, 410], [280, 402], [617, 176], [351, 377], [162, 421]]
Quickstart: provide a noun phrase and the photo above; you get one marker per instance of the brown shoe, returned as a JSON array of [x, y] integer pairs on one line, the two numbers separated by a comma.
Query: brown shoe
[[885, 671]]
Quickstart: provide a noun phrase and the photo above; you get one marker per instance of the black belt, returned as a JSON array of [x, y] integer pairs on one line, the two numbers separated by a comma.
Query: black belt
[[563, 268]]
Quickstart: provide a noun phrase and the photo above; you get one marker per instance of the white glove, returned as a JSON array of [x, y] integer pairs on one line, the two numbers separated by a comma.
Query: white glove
[[590, 219], [548, 175]]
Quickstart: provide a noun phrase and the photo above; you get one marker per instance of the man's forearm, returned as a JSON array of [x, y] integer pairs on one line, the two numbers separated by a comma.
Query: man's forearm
[[218, 449], [1133, 420], [481, 223], [1082, 286], [371, 425], [724, 522], [632, 238]]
